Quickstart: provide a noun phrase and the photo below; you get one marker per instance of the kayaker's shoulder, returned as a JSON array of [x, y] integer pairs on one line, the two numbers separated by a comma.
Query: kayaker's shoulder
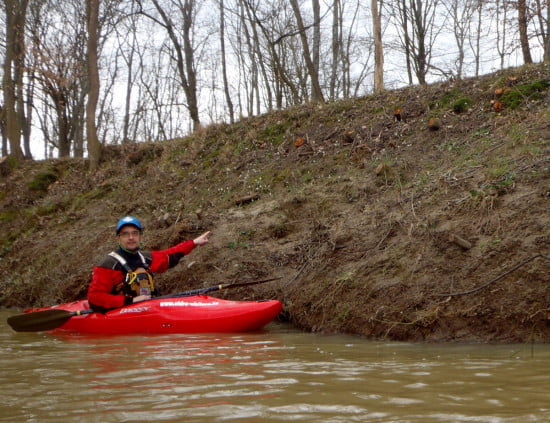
[[108, 262]]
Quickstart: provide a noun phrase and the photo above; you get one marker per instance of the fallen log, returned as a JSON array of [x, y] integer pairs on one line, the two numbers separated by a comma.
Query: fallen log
[[461, 242]]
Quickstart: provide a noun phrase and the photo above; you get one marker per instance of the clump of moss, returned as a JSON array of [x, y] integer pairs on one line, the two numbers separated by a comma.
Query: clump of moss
[[445, 100], [274, 133], [461, 105], [515, 97], [43, 180]]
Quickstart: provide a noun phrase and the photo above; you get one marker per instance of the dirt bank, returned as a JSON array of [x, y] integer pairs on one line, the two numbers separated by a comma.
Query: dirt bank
[[375, 211]]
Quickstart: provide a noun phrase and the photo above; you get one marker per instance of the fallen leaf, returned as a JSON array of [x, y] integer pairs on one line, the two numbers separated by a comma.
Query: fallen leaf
[[299, 141], [397, 113]]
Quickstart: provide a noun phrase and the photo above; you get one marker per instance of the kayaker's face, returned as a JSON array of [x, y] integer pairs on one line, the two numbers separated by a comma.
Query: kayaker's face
[[129, 238]]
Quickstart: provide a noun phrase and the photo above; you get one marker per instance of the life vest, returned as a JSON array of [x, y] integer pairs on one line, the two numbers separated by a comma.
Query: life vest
[[136, 282]]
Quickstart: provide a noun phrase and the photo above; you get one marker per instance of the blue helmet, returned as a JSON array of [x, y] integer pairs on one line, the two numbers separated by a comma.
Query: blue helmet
[[128, 220]]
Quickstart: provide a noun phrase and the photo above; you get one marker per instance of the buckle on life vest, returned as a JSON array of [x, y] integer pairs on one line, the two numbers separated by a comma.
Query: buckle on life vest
[[140, 282]]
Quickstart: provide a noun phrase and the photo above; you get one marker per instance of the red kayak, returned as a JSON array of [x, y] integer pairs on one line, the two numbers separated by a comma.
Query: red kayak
[[193, 314]]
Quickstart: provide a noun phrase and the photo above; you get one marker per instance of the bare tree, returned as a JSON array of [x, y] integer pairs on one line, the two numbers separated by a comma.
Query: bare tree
[[184, 50], [3, 130], [312, 69], [59, 54], [378, 49], [347, 49], [128, 55], [282, 80], [502, 23], [461, 14], [400, 13], [523, 22], [416, 24], [153, 86], [336, 43], [423, 19], [354, 52], [12, 81], [475, 39], [316, 47], [92, 20], [260, 64], [543, 25], [224, 63]]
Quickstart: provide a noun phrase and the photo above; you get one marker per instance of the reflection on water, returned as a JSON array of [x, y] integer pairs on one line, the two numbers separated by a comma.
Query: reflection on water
[[279, 374]]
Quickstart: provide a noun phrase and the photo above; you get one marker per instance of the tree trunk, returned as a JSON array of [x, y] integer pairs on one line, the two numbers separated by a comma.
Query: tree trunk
[[316, 35], [544, 26], [191, 89], [335, 47], [21, 110], [477, 45], [420, 56], [94, 147], [404, 15], [4, 151], [546, 38], [316, 93], [378, 49], [13, 77], [63, 127], [27, 113], [224, 65], [523, 36], [129, 81]]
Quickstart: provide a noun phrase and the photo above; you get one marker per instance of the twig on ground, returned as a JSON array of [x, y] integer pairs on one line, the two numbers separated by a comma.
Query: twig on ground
[[471, 291]]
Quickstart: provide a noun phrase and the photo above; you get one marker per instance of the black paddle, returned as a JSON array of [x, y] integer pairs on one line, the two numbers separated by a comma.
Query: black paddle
[[37, 321]]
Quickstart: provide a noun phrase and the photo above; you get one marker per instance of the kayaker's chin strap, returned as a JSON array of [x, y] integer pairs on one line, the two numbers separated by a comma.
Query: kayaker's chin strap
[[137, 282]]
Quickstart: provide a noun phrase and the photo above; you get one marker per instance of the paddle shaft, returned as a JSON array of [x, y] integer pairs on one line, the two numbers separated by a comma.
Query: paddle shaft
[[43, 320], [220, 287]]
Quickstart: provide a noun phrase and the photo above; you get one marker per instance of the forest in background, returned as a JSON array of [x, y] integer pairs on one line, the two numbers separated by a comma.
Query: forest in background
[[77, 76]]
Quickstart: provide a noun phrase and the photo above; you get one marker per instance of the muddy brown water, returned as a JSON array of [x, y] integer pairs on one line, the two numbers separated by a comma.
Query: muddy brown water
[[279, 374]]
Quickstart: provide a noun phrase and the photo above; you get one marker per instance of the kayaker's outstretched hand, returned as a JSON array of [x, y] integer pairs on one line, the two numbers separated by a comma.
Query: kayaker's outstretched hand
[[203, 239]]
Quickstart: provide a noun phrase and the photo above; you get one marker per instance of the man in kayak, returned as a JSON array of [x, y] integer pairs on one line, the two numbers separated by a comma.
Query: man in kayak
[[125, 276]]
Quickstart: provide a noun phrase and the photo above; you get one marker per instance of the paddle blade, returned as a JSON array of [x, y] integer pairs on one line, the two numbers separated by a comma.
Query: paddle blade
[[39, 320]]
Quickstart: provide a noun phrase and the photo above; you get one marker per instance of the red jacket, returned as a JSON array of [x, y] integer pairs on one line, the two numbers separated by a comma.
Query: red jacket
[[109, 273]]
